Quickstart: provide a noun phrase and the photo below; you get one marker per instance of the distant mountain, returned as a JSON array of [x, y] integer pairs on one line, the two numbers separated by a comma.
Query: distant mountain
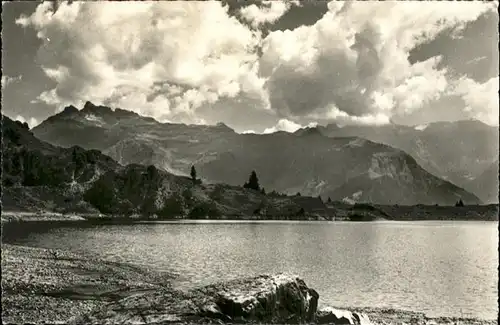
[[456, 151], [486, 184], [37, 176], [345, 168]]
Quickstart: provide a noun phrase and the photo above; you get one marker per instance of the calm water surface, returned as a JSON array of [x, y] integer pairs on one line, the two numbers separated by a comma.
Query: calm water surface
[[441, 268]]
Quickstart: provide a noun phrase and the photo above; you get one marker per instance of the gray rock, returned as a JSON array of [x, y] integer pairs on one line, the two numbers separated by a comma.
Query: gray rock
[[279, 298], [329, 315]]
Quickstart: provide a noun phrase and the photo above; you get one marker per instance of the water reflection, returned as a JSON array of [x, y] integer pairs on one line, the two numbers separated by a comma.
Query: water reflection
[[436, 267]]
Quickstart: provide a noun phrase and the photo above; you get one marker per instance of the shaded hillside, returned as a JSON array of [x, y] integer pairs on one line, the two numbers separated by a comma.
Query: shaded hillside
[[456, 151], [486, 184], [347, 168], [37, 176]]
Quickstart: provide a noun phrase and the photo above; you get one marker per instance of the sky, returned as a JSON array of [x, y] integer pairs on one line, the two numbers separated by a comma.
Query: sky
[[257, 66]]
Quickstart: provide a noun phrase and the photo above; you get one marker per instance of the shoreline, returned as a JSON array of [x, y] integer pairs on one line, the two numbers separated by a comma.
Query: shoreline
[[58, 286], [96, 218]]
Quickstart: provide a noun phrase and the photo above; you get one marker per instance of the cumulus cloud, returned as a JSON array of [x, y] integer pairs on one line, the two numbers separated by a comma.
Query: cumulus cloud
[[353, 63], [481, 100], [284, 125], [248, 132], [266, 12], [133, 53], [192, 61], [32, 122], [6, 80], [287, 126]]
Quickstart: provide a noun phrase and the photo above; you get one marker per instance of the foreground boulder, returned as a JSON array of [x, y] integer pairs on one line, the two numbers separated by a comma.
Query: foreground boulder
[[265, 299], [279, 298], [329, 315]]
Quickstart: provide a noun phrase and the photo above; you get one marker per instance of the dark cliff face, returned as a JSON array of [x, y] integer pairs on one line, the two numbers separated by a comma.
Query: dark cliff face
[[344, 168], [28, 161], [37, 175]]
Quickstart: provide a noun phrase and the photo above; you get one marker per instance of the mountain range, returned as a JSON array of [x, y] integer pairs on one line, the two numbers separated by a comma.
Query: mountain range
[[351, 164], [459, 152], [38, 176]]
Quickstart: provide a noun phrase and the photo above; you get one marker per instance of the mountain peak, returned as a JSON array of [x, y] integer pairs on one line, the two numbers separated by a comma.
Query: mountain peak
[[101, 109], [223, 126], [70, 110], [308, 131], [89, 107], [126, 113]]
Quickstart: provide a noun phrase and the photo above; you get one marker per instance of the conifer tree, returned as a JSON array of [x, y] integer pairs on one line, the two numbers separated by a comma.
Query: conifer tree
[[253, 182], [193, 174]]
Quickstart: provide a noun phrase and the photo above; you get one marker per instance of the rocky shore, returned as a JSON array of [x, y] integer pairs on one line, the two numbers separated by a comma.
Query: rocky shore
[[53, 286], [8, 216]]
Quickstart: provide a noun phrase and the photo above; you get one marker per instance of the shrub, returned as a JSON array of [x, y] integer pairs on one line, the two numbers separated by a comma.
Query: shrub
[[102, 195], [204, 209], [7, 181], [187, 194], [172, 207]]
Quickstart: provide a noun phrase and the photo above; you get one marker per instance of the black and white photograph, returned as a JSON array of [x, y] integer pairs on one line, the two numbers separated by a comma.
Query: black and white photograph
[[250, 162]]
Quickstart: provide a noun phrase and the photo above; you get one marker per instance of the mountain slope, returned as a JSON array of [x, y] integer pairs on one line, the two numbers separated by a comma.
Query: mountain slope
[[456, 151], [341, 168], [306, 162], [486, 184]]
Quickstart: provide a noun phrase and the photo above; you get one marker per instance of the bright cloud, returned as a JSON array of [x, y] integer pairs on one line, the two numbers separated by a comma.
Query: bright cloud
[[284, 125], [32, 122], [6, 80], [353, 63], [287, 126], [481, 100], [266, 12], [130, 49], [176, 61]]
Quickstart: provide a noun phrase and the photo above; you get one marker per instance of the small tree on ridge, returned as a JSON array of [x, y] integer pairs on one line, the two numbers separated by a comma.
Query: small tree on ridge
[[193, 174], [253, 182]]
